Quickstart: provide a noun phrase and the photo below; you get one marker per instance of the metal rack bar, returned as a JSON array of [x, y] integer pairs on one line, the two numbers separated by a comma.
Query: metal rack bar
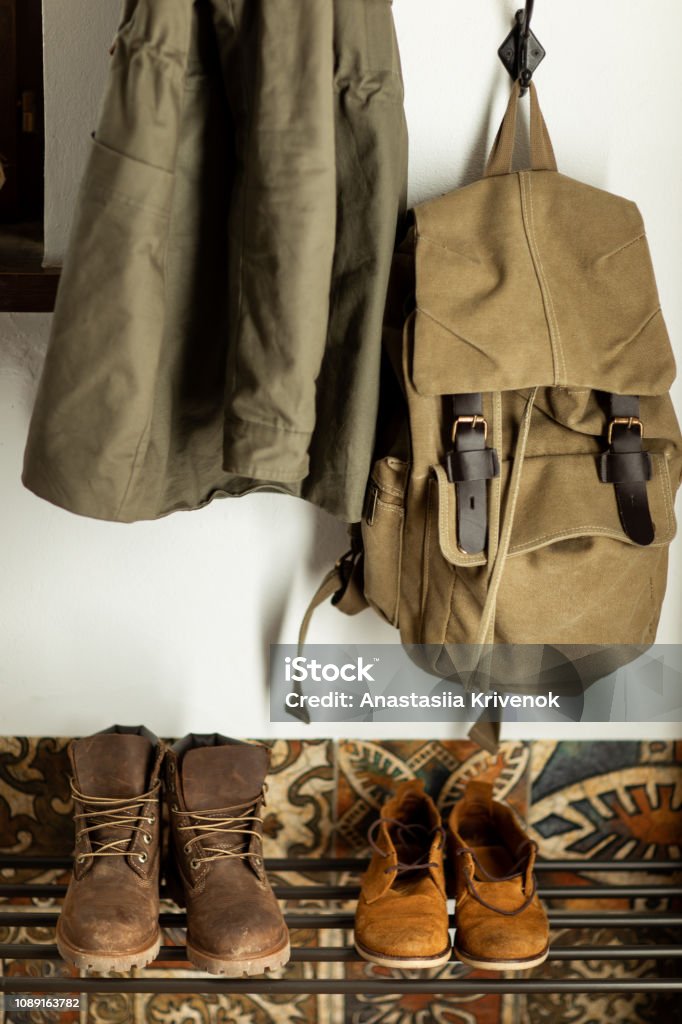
[[346, 954], [155, 980], [344, 919], [322, 864], [365, 986], [351, 892]]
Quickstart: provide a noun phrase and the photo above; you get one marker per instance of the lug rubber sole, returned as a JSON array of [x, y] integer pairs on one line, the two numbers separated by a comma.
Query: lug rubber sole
[[89, 960], [239, 968], [501, 965], [403, 962]]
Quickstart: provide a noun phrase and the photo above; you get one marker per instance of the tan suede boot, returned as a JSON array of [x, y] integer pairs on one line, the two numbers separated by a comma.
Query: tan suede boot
[[501, 924], [402, 918], [110, 917], [215, 788]]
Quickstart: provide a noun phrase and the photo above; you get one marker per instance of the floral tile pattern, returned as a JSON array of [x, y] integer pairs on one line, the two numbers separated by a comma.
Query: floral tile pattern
[[368, 772], [300, 799], [615, 801], [618, 800], [35, 803]]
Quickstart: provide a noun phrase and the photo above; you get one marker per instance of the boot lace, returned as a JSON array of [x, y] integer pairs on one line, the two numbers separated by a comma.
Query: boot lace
[[517, 871], [215, 825], [111, 813], [405, 832]]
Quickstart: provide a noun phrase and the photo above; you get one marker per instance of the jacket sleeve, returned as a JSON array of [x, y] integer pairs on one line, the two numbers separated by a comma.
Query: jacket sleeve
[[279, 80]]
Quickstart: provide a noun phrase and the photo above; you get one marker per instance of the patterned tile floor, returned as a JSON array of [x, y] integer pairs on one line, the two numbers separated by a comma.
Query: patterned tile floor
[[621, 800]]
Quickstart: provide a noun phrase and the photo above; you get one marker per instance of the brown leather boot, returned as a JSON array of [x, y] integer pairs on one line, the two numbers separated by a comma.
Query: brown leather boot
[[501, 924], [402, 917], [110, 917], [215, 789]]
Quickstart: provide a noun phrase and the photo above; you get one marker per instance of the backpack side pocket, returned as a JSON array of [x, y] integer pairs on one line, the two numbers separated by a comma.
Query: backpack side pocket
[[382, 536]]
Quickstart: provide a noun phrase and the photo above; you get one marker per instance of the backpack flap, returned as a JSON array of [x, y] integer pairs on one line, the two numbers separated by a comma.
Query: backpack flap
[[535, 279], [566, 479]]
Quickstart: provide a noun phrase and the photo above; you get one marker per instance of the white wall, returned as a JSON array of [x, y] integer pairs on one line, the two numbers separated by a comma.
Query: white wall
[[169, 622], [77, 38]]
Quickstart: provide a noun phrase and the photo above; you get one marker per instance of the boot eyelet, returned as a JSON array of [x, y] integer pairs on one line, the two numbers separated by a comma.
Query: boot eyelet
[[142, 857], [194, 864], [171, 767], [80, 860], [187, 848], [146, 839], [152, 820]]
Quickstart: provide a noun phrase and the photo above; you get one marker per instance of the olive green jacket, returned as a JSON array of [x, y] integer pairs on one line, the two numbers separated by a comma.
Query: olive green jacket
[[218, 322]]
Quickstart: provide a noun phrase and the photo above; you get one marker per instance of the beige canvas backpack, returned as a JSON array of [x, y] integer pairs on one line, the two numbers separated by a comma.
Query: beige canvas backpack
[[529, 452]]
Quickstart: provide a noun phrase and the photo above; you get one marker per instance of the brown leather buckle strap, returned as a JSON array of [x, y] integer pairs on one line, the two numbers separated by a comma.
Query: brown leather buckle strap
[[469, 465], [627, 466]]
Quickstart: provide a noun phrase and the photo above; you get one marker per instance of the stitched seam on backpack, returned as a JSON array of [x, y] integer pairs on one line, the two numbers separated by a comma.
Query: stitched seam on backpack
[[578, 531], [387, 488], [467, 341], [453, 576], [668, 496], [399, 571], [554, 332], [388, 507], [622, 248], [556, 338], [640, 330], [446, 515], [528, 213], [425, 559], [446, 622], [447, 248]]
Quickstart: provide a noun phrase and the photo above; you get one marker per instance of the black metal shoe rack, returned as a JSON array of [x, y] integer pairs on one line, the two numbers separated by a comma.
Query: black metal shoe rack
[[641, 918]]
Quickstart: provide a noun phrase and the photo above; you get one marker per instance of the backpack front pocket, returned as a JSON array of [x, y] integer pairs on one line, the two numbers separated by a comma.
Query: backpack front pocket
[[382, 536], [568, 545]]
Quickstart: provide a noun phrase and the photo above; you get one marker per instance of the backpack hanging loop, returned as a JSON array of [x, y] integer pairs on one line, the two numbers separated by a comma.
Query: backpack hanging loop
[[521, 52]]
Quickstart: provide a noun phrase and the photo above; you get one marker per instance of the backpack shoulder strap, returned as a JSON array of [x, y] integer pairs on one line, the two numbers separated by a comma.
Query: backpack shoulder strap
[[344, 584]]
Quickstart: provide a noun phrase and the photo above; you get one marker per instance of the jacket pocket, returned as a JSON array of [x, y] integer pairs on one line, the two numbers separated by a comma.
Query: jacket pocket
[[382, 536], [112, 174]]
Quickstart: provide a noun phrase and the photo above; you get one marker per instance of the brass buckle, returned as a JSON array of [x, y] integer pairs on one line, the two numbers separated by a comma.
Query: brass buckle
[[474, 421], [625, 421]]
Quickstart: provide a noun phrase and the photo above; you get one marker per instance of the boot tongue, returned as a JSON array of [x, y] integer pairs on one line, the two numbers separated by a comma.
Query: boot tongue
[[217, 777], [113, 764]]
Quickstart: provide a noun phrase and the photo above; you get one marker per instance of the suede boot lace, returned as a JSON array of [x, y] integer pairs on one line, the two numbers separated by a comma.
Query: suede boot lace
[[216, 825], [112, 813], [406, 832], [517, 871]]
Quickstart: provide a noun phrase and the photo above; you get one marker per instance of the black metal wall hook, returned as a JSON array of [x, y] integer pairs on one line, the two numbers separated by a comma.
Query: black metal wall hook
[[521, 52]]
